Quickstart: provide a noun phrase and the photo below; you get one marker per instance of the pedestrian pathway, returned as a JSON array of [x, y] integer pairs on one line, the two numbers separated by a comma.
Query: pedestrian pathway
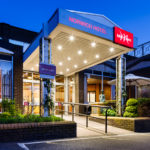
[[94, 128]]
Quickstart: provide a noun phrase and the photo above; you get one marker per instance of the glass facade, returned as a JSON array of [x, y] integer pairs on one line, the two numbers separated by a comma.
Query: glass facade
[[5, 79], [31, 92]]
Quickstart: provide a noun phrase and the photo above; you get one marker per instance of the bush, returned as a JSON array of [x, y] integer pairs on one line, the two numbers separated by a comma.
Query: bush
[[131, 109], [129, 114], [142, 101], [9, 105], [132, 102], [110, 112], [5, 115], [144, 107], [28, 119]]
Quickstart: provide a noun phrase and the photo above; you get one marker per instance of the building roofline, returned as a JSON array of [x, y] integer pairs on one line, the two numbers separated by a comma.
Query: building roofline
[[100, 15]]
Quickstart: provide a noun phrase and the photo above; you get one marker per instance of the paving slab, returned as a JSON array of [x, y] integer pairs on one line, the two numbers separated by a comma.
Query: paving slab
[[94, 128]]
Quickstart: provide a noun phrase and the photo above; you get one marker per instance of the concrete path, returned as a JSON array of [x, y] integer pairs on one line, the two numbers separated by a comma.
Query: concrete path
[[94, 128]]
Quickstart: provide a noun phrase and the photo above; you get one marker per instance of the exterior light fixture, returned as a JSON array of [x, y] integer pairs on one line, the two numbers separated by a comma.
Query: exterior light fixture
[[32, 68], [80, 52], [96, 56], [71, 38], [85, 61], [37, 65], [59, 47], [93, 44], [111, 49], [60, 63], [67, 69], [61, 72], [75, 66], [69, 58]]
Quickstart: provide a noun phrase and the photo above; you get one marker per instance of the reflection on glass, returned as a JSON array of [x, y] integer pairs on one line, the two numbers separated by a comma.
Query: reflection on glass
[[60, 79], [5, 79], [36, 76], [27, 92], [91, 97], [36, 93], [27, 75], [59, 93], [31, 92]]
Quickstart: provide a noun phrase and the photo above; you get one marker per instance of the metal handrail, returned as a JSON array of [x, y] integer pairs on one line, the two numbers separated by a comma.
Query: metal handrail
[[86, 115]]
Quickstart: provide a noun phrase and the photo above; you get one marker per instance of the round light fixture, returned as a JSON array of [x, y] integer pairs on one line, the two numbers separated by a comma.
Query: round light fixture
[[59, 47], [71, 38], [111, 49], [75, 66], [68, 58], [85, 61], [96, 56], [60, 63], [80, 52], [93, 44], [67, 69]]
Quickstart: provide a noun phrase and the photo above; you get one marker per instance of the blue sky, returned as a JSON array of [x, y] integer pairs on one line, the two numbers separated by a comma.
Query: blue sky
[[131, 15]]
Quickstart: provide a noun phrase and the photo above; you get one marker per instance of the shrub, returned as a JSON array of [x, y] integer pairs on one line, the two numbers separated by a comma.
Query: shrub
[[131, 109], [9, 105], [5, 115], [111, 103], [28, 118], [132, 102], [143, 101], [129, 114], [144, 107], [110, 112]]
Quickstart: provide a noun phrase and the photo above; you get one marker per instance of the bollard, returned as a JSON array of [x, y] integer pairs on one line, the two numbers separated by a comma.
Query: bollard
[[106, 121], [72, 112], [87, 116], [62, 110]]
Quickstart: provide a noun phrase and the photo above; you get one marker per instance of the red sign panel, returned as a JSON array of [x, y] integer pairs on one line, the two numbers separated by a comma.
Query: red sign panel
[[123, 37]]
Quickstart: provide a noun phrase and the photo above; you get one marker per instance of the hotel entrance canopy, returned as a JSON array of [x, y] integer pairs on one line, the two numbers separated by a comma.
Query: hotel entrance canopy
[[78, 41]]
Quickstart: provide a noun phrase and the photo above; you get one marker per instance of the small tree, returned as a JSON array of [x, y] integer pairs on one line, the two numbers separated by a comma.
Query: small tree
[[48, 103]]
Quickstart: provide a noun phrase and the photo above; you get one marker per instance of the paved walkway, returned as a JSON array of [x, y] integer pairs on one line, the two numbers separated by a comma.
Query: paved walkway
[[94, 128]]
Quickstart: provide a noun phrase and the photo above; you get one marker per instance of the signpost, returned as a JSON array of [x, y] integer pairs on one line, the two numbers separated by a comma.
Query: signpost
[[47, 72]]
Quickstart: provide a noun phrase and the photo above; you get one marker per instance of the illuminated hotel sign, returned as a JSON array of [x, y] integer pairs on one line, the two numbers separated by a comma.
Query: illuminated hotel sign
[[84, 24], [87, 25], [123, 37]]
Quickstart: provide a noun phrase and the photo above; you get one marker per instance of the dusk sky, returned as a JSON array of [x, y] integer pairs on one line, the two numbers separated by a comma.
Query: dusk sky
[[131, 15]]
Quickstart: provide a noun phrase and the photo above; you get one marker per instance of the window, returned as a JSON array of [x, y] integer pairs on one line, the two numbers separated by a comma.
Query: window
[[91, 97], [5, 79]]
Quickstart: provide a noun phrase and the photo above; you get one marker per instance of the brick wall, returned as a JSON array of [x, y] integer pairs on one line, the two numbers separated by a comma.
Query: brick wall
[[18, 70], [132, 124], [37, 131]]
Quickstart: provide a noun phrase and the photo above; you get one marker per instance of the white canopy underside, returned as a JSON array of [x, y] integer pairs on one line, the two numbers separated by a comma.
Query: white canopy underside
[[82, 41]]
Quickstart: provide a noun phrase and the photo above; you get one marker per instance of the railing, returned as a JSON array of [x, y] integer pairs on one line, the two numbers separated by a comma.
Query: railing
[[61, 104]]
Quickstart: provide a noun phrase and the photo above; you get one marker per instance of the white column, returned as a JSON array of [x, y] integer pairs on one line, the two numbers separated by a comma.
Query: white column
[[120, 84], [66, 94], [85, 89]]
